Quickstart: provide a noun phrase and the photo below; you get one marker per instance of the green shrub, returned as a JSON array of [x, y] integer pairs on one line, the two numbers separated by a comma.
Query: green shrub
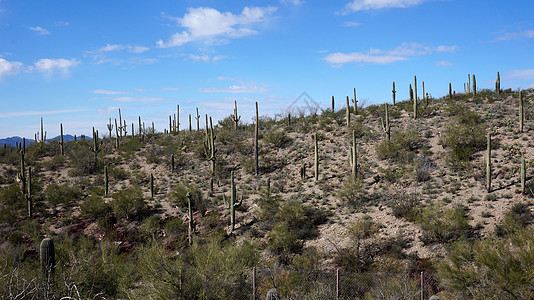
[[277, 139], [62, 193], [404, 205], [178, 195], [81, 158], [95, 207], [518, 216], [128, 203], [401, 147], [444, 225]]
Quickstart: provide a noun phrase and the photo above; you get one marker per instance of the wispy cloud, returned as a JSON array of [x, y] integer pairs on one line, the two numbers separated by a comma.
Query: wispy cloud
[[521, 74], [61, 23], [48, 65], [444, 63], [292, 2], [209, 24], [139, 99], [234, 89], [351, 24], [39, 30], [378, 56], [39, 113], [358, 5], [109, 92], [170, 88], [118, 47], [519, 35], [7, 67], [205, 57]]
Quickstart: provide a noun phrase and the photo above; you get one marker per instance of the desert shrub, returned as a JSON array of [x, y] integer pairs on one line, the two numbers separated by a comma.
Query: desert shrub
[[518, 216], [401, 147], [11, 203], [352, 194], [404, 205], [444, 225], [55, 163], [118, 173], [130, 145], [362, 228], [277, 139], [178, 195], [81, 158], [128, 203], [499, 268], [302, 220], [463, 137], [94, 207], [62, 193]]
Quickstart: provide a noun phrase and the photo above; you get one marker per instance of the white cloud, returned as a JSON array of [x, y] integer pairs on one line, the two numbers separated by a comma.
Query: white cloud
[[204, 23], [109, 48], [351, 24], [234, 89], [523, 34], [40, 30], [109, 92], [61, 23], [48, 65], [139, 99], [522, 74], [138, 49], [357, 5], [7, 67], [377, 56], [170, 88], [292, 2], [205, 57], [444, 63]]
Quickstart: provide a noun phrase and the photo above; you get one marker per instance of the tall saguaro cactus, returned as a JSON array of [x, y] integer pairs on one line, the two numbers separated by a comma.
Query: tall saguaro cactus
[[393, 92], [61, 144], [450, 90], [191, 227], [353, 161], [21, 177], [106, 181], [256, 133], [235, 117], [333, 104], [521, 112], [488, 164], [41, 140], [474, 85], [209, 145], [385, 124], [177, 118], [316, 157], [29, 194], [498, 84], [355, 101], [523, 174], [152, 185], [110, 127], [96, 146], [197, 117], [347, 113], [233, 205], [48, 257]]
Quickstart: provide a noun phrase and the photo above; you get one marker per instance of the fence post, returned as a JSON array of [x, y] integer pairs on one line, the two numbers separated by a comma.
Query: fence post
[[422, 291], [253, 283], [337, 284]]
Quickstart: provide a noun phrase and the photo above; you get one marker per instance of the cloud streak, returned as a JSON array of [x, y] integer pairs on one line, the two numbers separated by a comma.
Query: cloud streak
[[40, 113], [378, 56], [7, 67], [523, 34], [358, 5], [50, 65], [39, 30], [234, 89]]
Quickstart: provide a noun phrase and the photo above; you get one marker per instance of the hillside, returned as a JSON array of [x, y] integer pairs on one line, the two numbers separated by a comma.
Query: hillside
[[415, 199]]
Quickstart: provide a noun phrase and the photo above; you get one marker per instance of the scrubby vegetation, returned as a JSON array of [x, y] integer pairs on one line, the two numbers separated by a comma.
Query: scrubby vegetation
[[183, 215]]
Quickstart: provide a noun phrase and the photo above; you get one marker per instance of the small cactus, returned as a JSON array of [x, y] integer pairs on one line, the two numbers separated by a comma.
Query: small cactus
[[488, 164], [333, 104], [235, 117], [48, 257], [347, 113], [386, 127], [61, 144], [393, 92], [29, 194], [353, 161], [498, 84], [172, 163], [450, 90], [474, 85]]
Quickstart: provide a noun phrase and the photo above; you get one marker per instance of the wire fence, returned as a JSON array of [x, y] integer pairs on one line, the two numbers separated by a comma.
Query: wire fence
[[338, 284]]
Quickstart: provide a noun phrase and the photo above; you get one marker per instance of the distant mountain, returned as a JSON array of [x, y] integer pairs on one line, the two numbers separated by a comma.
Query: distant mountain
[[12, 141]]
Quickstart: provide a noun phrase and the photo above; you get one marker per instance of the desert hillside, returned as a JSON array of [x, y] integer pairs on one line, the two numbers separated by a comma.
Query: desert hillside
[[423, 196]]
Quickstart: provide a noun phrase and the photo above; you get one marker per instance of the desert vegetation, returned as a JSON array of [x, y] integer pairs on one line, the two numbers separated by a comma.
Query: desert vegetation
[[434, 185]]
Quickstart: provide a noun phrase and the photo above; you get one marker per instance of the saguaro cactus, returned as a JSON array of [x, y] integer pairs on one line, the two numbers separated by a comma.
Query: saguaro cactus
[[172, 163], [209, 146], [498, 84], [42, 140], [523, 174], [235, 117], [256, 132], [521, 112], [333, 104], [110, 127], [21, 177], [151, 185], [353, 161], [29, 194], [96, 146], [177, 118], [393, 92], [347, 113], [488, 164], [233, 205], [385, 124], [450, 90], [48, 257], [316, 157], [61, 144], [190, 128], [474, 85], [197, 117], [355, 102]]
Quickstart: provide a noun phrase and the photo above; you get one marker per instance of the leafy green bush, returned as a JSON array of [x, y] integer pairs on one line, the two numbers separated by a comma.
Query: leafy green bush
[[62, 193], [81, 158], [463, 136], [178, 195], [277, 139], [401, 147], [128, 203], [444, 225], [518, 216], [404, 205], [95, 207]]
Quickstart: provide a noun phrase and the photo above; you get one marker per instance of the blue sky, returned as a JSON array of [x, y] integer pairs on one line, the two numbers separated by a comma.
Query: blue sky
[[77, 62]]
